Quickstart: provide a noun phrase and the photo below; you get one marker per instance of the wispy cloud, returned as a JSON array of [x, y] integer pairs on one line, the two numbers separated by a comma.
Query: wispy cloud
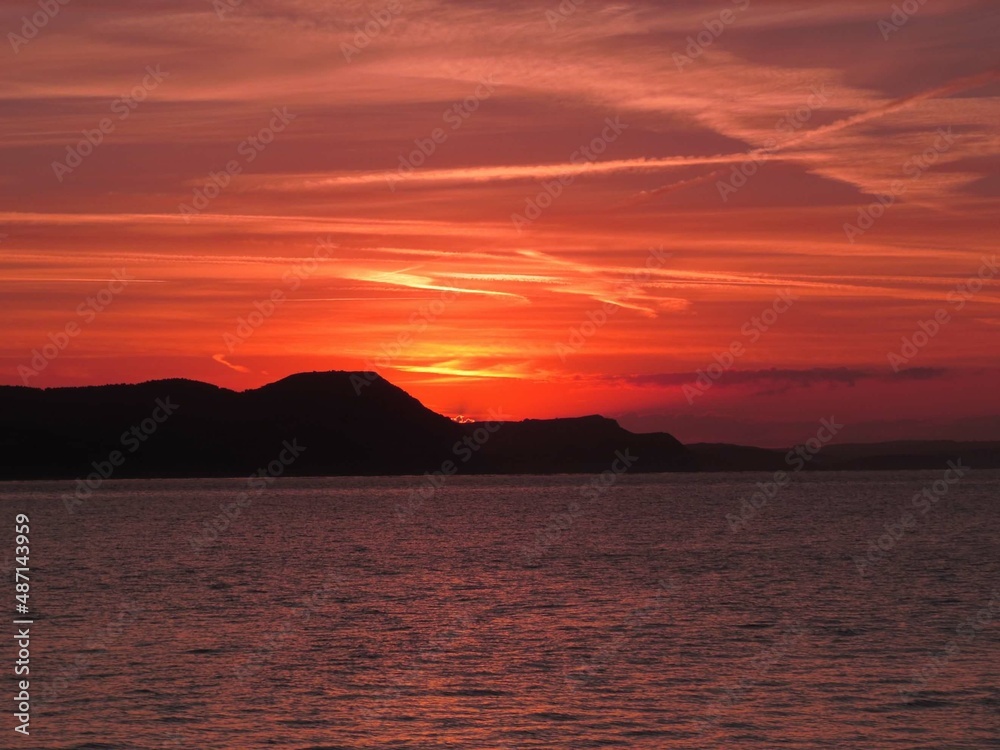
[[221, 359]]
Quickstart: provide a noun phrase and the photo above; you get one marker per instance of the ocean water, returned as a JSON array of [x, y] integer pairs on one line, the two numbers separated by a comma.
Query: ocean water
[[513, 612]]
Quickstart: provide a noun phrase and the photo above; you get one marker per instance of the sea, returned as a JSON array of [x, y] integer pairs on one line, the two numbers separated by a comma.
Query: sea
[[840, 610]]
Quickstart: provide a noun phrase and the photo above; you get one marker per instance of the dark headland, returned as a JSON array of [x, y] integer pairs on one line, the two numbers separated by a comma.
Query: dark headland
[[184, 428]]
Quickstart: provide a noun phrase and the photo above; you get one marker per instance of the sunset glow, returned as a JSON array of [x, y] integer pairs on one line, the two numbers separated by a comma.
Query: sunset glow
[[551, 209]]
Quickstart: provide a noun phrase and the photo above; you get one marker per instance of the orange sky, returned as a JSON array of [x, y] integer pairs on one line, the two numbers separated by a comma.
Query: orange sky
[[436, 268]]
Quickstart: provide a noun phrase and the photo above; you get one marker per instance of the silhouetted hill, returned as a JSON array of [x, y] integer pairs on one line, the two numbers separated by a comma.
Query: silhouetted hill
[[175, 428], [910, 454], [211, 431], [899, 455], [725, 457], [539, 446]]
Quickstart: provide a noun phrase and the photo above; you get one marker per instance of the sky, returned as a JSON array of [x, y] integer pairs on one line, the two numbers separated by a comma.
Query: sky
[[725, 220]]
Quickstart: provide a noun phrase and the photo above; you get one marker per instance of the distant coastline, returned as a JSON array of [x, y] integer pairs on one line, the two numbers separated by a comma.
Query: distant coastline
[[324, 424]]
